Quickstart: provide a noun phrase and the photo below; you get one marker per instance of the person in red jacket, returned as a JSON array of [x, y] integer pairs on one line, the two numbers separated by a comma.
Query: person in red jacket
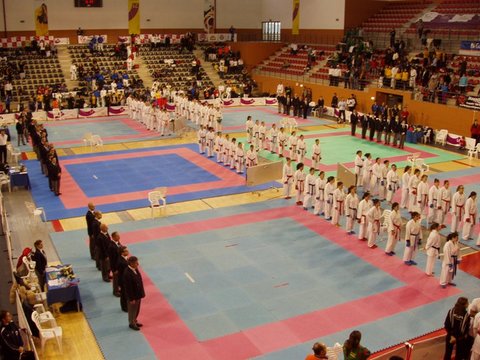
[[475, 131]]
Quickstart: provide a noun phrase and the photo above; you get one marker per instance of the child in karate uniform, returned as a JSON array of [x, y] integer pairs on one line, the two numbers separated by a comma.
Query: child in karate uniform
[[458, 208], [309, 195], [363, 206], [405, 181], [301, 149], [320, 194], [373, 217], [358, 168], [251, 157], [394, 224], [351, 208], [451, 259], [328, 196], [413, 237], [240, 158], [470, 216], [432, 248], [299, 181], [338, 204], [392, 182], [287, 178], [316, 155]]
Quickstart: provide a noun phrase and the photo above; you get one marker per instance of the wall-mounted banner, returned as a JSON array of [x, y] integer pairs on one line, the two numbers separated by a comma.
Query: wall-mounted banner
[[134, 17], [209, 16], [296, 17], [41, 20]]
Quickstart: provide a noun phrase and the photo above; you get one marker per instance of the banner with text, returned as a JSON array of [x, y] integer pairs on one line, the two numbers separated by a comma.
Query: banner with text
[[469, 102], [134, 17], [41, 20], [469, 47]]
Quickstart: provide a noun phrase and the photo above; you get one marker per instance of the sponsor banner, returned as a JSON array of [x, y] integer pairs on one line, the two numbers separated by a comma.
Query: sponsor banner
[[92, 112], [209, 16], [469, 102], [146, 38], [470, 48], [64, 114], [20, 41], [117, 110], [219, 37], [134, 17], [41, 20], [85, 39], [271, 101], [453, 139], [6, 119], [62, 41]]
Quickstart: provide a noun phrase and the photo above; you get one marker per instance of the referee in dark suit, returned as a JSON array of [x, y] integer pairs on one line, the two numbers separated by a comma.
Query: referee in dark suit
[[122, 264], [89, 218], [40, 259], [133, 283]]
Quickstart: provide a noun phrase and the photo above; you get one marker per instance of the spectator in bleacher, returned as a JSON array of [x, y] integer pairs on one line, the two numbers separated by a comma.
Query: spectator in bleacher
[[353, 350], [392, 38], [319, 352], [463, 83]]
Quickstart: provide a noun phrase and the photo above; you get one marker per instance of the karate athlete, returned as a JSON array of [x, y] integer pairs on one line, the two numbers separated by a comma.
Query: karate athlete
[[320, 194], [422, 195], [351, 206], [445, 202], [376, 177], [338, 204], [249, 129], [233, 153], [373, 217], [316, 155], [394, 224], [299, 181], [434, 202], [363, 206], [226, 150], [392, 183], [470, 216], [451, 259], [219, 147], [256, 134], [273, 139], [240, 158], [287, 178], [458, 206], [202, 139], [413, 182], [382, 187], [358, 168], [328, 196], [432, 248], [282, 142], [367, 172], [210, 137], [310, 184], [405, 181], [301, 149], [292, 145], [413, 237], [251, 157], [263, 136]]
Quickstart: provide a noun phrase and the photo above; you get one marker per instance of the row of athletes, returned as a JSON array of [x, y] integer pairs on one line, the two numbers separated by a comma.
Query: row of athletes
[[150, 114], [205, 114], [329, 199]]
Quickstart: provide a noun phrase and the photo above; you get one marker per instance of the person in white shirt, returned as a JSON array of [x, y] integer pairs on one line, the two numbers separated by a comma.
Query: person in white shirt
[[413, 237], [434, 202], [310, 183], [413, 182], [363, 206], [470, 216], [367, 172], [251, 157], [226, 150], [3, 146], [320, 183], [338, 204], [376, 177], [301, 149], [273, 139], [358, 168], [240, 158], [392, 183], [292, 144], [249, 129], [382, 187], [458, 208], [282, 142], [299, 182], [405, 181], [256, 134], [451, 259], [445, 202], [73, 71], [263, 135], [432, 248], [394, 223], [374, 214], [202, 139], [287, 178], [422, 194], [328, 196], [219, 147], [233, 154], [351, 208], [413, 78], [316, 155], [210, 138]]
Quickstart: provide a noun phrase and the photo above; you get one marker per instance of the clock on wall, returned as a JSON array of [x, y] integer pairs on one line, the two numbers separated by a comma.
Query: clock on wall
[[88, 3]]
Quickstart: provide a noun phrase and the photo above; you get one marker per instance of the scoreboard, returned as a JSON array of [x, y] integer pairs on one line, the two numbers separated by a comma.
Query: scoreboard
[[88, 3]]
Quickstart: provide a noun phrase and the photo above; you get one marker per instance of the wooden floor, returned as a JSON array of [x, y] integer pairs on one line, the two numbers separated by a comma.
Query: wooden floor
[[78, 339]]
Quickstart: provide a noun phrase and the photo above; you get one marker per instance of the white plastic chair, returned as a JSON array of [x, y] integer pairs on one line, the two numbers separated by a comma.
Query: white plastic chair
[[5, 180], [40, 211], [45, 316], [97, 141], [57, 114], [154, 197], [47, 333], [420, 164], [472, 149], [426, 136], [334, 352], [87, 139], [441, 137], [15, 154]]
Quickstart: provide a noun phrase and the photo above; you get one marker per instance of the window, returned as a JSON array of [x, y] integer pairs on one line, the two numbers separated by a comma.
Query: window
[[271, 30]]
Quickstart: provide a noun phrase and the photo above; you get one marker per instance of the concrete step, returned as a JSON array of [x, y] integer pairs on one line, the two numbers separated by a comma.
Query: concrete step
[[65, 61], [143, 72]]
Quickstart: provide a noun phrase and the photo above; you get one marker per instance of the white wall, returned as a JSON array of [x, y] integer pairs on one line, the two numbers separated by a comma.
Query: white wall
[[244, 14], [171, 14]]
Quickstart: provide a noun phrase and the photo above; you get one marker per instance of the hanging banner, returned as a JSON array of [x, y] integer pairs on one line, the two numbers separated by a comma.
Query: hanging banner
[[134, 17], [41, 20], [296, 17], [209, 16]]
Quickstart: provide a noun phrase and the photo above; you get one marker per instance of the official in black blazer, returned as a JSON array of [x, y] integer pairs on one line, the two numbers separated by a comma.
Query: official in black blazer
[[40, 259], [103, 240], [354, 122], [122, 264], [95, 232], [89, 218], [113, 250], [133, 283]]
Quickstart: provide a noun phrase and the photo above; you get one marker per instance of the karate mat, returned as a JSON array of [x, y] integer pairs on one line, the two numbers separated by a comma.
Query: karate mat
[[121, 180], [234, 118], [264, 280], [112, 130]]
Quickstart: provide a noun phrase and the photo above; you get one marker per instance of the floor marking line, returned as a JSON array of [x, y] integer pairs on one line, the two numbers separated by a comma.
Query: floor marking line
[[231, 245], [189, 277], [280, 285]]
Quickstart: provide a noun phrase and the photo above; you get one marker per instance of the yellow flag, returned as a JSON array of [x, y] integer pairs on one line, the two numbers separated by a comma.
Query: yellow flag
[[134, 17], [41, 20], [296, 17]]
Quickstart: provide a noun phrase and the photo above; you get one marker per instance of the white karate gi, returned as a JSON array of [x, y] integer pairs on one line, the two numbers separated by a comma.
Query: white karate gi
[[422, 197], [202, 140], [299, 181], [310, 188], [445, 202], [469, 219], [458, 210], [273, 138], [412, 193], [319, 195], [287, 179], [434, 204], [328, 196], [292, 144], [432, 249], [301, 150], [413, 234], [451, 257], [316, 156], [240, 160], [358, 170], [405, 193], [394, 224], [363, 207], [251, 158], [367, 174], [373, 217], [392, 184], [351, 209], [210, 138], [282, 142], [249, 129], [338, 205]]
